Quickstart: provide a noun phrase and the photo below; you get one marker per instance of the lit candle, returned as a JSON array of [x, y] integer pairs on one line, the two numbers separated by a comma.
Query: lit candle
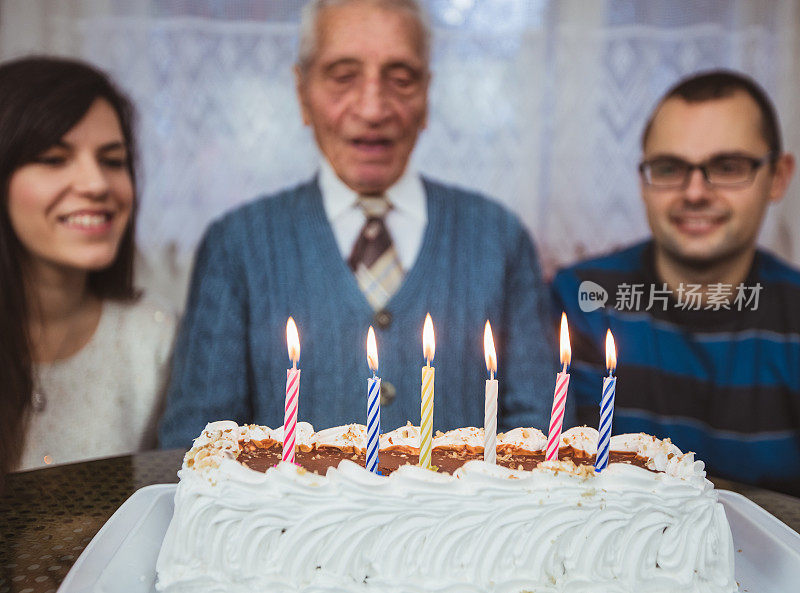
[[607, 405], [490, 408], [373, 404], [426, 417], [560, 395], [292, 392]]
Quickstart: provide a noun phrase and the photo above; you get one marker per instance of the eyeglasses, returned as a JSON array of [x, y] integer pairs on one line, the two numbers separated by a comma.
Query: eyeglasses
[[724, 170]]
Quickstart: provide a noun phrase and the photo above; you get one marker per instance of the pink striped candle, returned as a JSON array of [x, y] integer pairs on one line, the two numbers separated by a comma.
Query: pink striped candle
[[560, 395], [292, 392]]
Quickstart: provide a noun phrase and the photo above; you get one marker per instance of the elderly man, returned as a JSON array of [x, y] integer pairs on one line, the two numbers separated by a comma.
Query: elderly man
[[366, 242], [707, 325]]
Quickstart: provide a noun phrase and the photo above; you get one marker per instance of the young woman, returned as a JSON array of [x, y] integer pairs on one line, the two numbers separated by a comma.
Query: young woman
[[82, 359]]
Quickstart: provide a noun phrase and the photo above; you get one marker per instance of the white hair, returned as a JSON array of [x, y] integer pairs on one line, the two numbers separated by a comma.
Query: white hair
[[310, 15]]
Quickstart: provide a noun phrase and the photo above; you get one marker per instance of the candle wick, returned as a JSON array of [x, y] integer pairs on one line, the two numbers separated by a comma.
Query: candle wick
[[294, 364], [491, 375], [428, 362], [564, 368], [373, 375]]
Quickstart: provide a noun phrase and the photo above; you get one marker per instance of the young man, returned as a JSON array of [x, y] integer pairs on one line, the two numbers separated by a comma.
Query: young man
[[707, 326], [366, 242]]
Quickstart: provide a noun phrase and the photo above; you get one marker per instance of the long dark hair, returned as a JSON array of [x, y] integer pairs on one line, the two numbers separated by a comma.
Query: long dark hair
[[41, 99]]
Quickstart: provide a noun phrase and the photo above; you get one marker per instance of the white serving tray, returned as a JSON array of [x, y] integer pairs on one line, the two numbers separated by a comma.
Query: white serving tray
[[121, 558]]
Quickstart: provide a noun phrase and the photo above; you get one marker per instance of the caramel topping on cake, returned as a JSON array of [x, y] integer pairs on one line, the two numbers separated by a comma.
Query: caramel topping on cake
[[446, 460]]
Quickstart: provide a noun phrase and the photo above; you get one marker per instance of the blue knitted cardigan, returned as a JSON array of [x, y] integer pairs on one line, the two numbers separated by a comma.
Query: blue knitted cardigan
[[277, 256]]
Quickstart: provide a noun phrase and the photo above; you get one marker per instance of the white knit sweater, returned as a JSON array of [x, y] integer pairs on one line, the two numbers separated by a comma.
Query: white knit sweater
[[105, 399]]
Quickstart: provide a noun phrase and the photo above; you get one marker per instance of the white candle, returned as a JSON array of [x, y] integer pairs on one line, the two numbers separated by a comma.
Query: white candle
[[490, 406]]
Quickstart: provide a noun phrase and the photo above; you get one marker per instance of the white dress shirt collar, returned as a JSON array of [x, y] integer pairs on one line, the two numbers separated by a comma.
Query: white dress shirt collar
[[407, 195], [406, 221], [336, 196]]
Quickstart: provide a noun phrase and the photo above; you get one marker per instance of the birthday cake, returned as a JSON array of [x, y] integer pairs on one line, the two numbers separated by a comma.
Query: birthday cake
[[245, 522]]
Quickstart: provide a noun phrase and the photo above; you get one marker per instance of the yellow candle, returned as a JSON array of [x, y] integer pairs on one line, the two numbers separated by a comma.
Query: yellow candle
[[426, 417]]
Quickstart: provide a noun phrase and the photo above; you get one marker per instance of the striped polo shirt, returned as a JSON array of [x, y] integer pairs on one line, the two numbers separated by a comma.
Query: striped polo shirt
[[721, 378]]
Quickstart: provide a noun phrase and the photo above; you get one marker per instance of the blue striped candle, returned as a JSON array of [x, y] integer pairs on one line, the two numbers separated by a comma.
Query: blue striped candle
[[373, 405], [606, 406], [373, 422]]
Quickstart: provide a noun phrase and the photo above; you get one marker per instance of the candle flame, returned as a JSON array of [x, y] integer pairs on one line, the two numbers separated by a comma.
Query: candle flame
[[292, 341], [489, 352], [372, 351], [428, 340], [566, 351], [611, 353]]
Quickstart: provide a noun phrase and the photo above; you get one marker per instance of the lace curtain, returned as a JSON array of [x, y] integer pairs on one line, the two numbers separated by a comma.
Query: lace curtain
[[538, 103]]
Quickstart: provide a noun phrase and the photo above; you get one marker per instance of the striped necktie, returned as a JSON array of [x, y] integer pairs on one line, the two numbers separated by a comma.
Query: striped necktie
[[374, 259]]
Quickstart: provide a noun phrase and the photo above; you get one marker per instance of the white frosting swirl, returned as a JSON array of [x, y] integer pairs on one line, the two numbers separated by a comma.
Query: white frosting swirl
[[469, 438], [526, 439], [581, 438], [404, 437], [347, 437], [304, 434]]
